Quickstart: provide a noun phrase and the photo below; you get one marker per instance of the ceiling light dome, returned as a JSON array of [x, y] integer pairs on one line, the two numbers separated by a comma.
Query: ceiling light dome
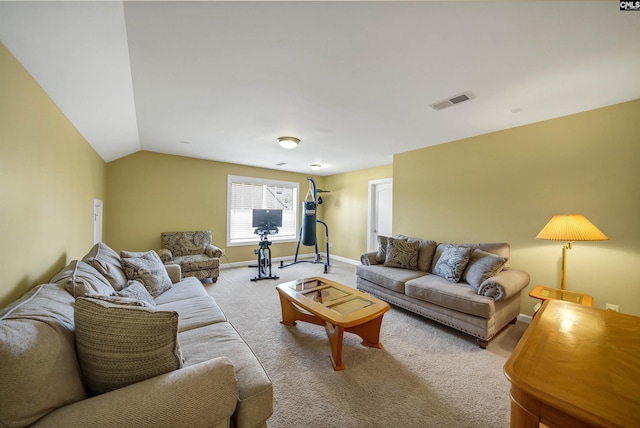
[[315, 166], [288, 142]]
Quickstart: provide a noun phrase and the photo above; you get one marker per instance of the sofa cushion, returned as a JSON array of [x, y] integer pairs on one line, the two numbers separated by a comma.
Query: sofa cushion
[[501, 249], [39, 369], [452, 262], [255, 390], [402, 254], [119, 345], [482, 266], [388, 277], [381, 255], [81, 279], [459, 297], [149, 270], [426, 251], [133, 254], [187, 288], [195, 262], [122, 301], [136, 290], [195, 312], [107, 262]]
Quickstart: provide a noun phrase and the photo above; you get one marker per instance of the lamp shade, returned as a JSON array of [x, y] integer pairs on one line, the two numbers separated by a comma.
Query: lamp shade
[[570, 227]]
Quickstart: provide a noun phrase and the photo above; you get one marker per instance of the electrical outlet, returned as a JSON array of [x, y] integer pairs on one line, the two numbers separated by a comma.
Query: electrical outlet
[[611, 307], [330, 244]]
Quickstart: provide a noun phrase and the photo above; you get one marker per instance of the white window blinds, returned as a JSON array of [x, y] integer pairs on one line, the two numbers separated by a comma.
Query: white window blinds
[[246, 193]]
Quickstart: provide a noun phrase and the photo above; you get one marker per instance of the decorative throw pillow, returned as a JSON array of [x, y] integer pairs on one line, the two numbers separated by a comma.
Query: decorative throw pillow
[[80, 279], [452, 262], [381, 255], [123, 301], [107, 262], [136, 290], [133, 254], [482, 266], [402, 253], [119, 345], [149, 270]]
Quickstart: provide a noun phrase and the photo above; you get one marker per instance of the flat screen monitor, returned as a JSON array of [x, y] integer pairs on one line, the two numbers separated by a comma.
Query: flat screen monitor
[[267, 219]]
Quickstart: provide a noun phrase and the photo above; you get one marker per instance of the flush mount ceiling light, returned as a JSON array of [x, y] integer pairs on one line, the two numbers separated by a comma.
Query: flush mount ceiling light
[[288, 142], [315, 166]]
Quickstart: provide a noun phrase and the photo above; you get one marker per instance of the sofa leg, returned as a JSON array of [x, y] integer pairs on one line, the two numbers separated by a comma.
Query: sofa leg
[[513, 321], [214, 280], [482, 343]]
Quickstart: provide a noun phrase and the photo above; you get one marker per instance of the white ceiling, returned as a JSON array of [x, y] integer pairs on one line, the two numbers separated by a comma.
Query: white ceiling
[[352, 80]]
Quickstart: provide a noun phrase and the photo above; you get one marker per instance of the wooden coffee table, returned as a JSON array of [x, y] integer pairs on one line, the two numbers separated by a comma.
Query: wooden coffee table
[[337, 307]]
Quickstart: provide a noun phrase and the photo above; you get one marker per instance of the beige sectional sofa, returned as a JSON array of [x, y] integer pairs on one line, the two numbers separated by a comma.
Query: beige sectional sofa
[[469, 287], [73, 356]]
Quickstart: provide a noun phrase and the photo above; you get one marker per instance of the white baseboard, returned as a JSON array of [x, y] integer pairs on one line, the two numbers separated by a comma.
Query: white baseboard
[[524, 318], [276, 260], [342, 259]]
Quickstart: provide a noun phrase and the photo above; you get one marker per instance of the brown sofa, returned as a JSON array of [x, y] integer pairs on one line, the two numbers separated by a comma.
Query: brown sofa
[[481, 302]]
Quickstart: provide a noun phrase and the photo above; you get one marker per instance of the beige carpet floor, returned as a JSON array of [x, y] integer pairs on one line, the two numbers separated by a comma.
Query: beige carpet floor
[[426, 375]]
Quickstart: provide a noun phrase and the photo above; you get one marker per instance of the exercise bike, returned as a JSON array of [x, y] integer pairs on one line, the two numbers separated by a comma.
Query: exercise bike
[[264, 253]]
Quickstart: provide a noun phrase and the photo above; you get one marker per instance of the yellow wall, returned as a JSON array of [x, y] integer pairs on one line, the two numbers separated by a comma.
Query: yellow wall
[[150, 193], [49, 176], [346, 209], [502, 186], [506, 185]]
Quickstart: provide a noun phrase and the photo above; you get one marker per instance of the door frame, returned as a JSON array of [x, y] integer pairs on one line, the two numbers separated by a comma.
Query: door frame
[[371, 206]]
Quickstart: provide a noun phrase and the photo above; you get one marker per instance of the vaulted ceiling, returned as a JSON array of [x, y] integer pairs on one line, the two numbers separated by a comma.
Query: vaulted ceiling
[[353, 80]]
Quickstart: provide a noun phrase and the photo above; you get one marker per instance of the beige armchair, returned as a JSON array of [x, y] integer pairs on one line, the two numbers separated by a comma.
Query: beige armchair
[[193, 252]]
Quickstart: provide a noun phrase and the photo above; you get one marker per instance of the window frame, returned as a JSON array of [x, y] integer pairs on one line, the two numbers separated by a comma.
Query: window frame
[[231, 179]]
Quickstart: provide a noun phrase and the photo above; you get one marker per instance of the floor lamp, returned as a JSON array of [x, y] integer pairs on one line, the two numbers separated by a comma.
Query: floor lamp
[[569, 228]]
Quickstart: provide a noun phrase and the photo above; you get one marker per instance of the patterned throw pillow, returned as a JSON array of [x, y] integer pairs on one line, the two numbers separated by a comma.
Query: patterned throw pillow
[[482, 266], [136, 290], [81, 279], [452, 262], [119, 345], [133, 254], [402, 253], [381, 255], [149, 270]]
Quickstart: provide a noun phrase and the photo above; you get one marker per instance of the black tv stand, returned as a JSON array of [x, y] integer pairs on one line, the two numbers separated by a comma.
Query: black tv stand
[[264, 254]]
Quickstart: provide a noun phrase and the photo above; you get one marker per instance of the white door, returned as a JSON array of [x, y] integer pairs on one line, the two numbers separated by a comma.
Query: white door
[[97, 221], [380, 211]]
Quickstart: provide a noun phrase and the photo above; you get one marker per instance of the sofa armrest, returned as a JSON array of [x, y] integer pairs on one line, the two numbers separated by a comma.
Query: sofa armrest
[[165, 255], [204, 394], [213, 251], [175, 272], [504, 284], [369, 259]]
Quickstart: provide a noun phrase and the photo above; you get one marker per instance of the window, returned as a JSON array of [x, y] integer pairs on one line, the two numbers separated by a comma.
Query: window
[[246, 193]]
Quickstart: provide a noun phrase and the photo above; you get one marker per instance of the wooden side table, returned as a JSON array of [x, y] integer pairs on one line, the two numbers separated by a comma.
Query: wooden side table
[[543, 293]]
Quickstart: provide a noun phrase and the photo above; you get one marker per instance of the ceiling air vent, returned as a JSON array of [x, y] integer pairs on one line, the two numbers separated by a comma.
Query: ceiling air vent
[[457, 99]]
